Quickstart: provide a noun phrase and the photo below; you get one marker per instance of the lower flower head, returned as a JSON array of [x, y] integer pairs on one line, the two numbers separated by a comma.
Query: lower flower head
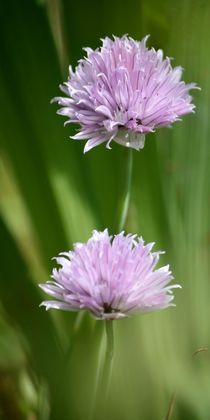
[[111, 277], [123, 91]]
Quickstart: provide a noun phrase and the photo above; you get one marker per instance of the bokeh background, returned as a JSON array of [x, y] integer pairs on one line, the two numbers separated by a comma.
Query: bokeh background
[[52, 195]]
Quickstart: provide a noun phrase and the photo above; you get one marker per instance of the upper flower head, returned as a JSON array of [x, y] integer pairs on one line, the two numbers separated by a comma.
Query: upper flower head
[[111, 277], [121, 92]]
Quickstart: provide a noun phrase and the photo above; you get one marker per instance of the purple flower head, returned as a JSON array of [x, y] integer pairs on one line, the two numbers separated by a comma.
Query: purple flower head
[[123, 91], [112, 277]]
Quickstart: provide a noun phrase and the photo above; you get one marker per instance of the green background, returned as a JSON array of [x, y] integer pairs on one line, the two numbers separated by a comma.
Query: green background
[[51, 195]]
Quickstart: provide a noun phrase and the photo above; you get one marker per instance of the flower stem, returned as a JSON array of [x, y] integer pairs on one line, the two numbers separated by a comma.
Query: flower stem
[[100, 399], [110, 345], [127, 194], [107, 370]]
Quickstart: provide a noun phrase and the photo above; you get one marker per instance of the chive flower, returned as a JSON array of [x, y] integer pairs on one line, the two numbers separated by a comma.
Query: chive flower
[[122, 91], [111, 277]]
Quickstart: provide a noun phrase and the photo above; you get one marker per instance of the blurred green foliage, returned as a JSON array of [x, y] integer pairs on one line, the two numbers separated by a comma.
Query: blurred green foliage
[[52, 195]]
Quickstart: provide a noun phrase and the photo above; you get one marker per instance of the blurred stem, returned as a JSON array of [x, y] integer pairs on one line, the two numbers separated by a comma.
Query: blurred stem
[[103, 387], [109, 346], [171, 406], [108, 356], [56, 21], [76, 328], [173, 397], [127, 193]]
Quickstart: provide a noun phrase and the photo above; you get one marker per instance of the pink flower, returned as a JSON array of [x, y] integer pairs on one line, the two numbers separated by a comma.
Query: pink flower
[[123, 91], [111, 277]]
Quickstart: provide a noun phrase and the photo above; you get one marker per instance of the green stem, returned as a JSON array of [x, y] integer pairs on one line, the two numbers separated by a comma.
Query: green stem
[[107, 370], [110, 343], [100, 399], [126, 200], [76, 328], [173, 397], [171, 406]]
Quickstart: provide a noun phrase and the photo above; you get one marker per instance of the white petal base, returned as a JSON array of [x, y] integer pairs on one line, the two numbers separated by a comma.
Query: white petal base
[[130, 139]]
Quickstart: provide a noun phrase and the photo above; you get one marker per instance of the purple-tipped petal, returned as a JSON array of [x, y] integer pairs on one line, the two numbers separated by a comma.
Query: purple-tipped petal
[[111, 277], [123, 90]]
